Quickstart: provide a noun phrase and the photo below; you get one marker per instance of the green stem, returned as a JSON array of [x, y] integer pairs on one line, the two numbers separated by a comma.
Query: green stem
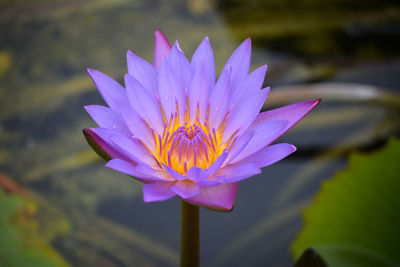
[[189, 235]]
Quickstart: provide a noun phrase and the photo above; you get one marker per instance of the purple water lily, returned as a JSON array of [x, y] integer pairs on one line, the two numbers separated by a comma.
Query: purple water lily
[[180, 132]]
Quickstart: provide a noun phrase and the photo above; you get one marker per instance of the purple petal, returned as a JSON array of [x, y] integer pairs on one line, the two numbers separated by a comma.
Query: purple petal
[[264, 134], [216, 165], [111, 91], [219, 99], [104, 136], [244, 113], [250, 84], [168, 89], [181, 67], [198, 96], [107, 118], [142, 71], [186, 189], [196, 174], [203, 57], [161, 48], [235, 173], [157, 191], [174, 174], [240, 63], [239, 145], [144, 103], [291, 113], [102, 148], [269, 155], [137, 126], [142, 172], [134, 149], [219, 198]]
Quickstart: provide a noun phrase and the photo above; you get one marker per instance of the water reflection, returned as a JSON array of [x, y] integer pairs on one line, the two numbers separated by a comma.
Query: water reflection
[[46, 46]]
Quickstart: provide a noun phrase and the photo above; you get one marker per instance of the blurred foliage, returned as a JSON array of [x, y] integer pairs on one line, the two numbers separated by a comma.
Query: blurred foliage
[[20, 242], [354, 220], [355, 28]]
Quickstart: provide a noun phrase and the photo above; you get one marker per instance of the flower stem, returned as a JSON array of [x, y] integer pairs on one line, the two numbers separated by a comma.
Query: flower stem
[[189, 235]]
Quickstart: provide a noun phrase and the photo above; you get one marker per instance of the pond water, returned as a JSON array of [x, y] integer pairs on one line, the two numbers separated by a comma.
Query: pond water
[[96, 216]]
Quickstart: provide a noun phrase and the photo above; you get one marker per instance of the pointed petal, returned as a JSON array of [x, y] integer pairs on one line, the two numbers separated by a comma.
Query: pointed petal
[[219, 99], [196, 174], [269, 155], [219, 198], [251, 84], [174, 174], [161, 48], [216, 165], [144, 103], [203, 57], [111, 91], [107, 118], [264, 134], [244, 113], [157, 191], [142, 71], [137, 126], [135, 149], [167, 88], [142, 172], [240, 63], [239, 145], [235, 173], [102, 148], [198, 96], [292, 113], [181, 67], [186, 189], [103, 137]]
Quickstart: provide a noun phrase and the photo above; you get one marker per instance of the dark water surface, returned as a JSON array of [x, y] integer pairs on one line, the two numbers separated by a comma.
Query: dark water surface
[[98, 216]]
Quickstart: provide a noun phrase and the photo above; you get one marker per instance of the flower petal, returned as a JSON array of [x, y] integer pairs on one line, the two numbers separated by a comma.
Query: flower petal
[[239, 145], [269, 155], [161, 48], [264, 134], [219, 99], [216, 165], [240, 63], [102, 148], [203, 57], [219, 198], [144, 103], [111, 91], [157, 191], [142, 71], [186, 189], [104, 136], [107, 118], [135, 149], [291, 113], [251, 84], [196, 174], [174, 174], [198, 96], [137, 126], [244, 113], [235, 173]]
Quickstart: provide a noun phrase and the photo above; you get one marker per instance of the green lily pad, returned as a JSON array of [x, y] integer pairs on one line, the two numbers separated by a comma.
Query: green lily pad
[[20, 242], [355, 219]]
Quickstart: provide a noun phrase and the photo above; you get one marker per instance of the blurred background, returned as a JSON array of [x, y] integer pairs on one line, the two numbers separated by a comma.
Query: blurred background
[[60, 206]]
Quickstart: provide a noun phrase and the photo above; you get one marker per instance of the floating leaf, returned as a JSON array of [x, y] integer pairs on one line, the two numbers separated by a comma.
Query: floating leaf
[[19, 241], [355, 218]]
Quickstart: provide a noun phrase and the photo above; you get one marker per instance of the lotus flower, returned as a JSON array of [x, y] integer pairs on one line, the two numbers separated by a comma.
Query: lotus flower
[[181, 133]]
